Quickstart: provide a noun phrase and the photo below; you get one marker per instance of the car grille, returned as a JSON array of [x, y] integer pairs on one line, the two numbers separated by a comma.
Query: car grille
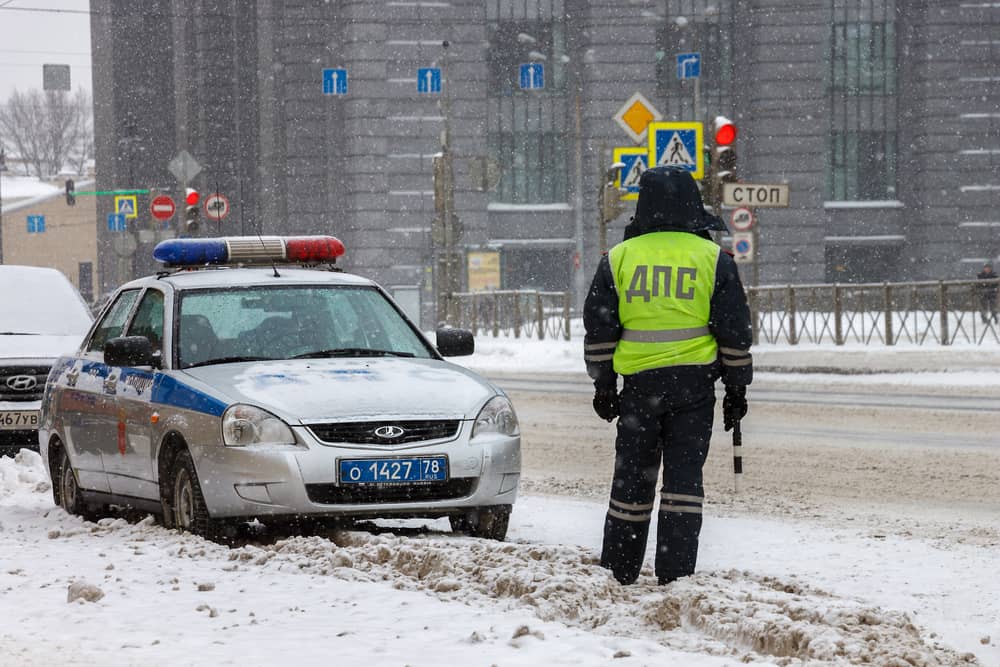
[[364, 494], [13, 381], [11, 441], [363, 433]]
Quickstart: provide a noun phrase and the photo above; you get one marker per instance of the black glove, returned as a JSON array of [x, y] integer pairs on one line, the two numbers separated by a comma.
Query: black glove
[[606, 403], [734, 405]]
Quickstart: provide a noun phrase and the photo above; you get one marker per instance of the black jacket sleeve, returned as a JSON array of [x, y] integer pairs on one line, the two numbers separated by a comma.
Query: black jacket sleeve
[[729, 322], [603, 328]]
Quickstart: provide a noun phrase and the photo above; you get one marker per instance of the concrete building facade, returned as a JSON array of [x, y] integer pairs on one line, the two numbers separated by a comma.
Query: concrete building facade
[[882, 116]]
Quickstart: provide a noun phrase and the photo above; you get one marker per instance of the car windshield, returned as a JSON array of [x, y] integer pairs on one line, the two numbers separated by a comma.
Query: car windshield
[[298, 321]]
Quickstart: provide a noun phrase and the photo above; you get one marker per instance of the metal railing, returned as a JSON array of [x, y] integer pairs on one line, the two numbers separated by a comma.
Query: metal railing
[[941, 312], [514, 313], [931, 312]]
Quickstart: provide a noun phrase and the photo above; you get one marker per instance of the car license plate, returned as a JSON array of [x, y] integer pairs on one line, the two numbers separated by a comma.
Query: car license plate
[[19, 419], [394, 471]]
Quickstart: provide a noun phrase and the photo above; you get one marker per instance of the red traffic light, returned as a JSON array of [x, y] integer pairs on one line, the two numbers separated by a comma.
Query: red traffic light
[[725, 131], [192, 197]]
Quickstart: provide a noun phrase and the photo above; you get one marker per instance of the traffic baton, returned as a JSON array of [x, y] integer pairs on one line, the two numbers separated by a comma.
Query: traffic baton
[[737, 457]]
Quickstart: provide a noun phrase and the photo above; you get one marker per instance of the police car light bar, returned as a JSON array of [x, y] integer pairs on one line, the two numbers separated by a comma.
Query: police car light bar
[[248, 250]]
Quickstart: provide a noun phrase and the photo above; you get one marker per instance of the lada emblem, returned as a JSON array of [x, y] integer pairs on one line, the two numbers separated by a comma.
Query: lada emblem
[[389, 432], [21, 382]]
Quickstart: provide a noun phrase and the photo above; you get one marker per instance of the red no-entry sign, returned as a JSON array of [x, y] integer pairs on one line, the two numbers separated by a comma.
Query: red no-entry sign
[[162, 207]]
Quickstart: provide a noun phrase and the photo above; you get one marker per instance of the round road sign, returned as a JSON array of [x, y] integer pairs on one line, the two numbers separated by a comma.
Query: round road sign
[[742, 219], [162, 207], [216, 207]]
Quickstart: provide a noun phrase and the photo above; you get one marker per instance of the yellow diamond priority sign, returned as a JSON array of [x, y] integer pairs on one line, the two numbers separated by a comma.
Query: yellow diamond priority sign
[[635, 115]]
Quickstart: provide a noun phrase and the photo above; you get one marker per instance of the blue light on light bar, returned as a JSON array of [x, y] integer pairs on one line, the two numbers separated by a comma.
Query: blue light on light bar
[[191, 252]]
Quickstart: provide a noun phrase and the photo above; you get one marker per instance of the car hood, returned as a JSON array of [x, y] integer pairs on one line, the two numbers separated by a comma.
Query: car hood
[[350, 389], [37, 346]]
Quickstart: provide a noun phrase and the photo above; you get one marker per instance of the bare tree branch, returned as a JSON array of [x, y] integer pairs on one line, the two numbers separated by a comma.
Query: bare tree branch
[[49, 130]]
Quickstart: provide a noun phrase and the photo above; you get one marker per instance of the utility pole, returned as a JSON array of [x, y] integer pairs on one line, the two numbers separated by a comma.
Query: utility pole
[[446, 230], [579, 280]]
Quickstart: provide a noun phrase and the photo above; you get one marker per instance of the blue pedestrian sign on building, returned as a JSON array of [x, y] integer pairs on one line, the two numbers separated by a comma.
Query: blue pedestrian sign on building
[[116, 222], [677, 144], [335, 81], [688, 65], [532, 76], [36, 224], [429, 80]]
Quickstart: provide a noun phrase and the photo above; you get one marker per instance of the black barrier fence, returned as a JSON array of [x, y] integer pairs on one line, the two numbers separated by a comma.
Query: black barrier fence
[[920, 313]]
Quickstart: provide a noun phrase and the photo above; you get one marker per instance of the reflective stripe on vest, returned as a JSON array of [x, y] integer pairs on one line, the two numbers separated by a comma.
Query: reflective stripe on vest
[[665, 282]]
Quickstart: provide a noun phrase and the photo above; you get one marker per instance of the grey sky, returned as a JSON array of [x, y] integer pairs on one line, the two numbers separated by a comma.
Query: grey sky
[[38, 32]]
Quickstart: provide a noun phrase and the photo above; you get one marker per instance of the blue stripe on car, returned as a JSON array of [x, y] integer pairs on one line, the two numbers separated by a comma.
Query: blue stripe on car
[[168, 391]]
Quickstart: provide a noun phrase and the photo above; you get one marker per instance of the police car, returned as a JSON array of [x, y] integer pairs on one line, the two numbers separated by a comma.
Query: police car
[[238, 385]]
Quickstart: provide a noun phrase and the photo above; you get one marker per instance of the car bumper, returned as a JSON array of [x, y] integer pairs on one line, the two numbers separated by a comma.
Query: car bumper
[[14, 439], [302, 480]]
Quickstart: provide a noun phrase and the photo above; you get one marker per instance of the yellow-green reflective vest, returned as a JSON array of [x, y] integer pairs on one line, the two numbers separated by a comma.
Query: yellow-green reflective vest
[[665, 282]]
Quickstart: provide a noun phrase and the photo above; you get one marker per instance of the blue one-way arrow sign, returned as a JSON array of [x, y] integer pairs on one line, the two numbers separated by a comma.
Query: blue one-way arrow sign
[[688, 65], [429, 80], [532, 76], [335, 81]]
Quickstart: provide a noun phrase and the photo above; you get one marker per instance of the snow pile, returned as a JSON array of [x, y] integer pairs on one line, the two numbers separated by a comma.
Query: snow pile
[[722, 613], [22, 475]]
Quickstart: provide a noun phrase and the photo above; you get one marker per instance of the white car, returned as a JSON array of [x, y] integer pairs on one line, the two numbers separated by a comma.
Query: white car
[[42, 317], [236, 387]]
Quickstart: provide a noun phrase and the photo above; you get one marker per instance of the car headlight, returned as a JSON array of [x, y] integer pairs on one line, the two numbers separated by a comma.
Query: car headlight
[[248, 425], [497, 416]]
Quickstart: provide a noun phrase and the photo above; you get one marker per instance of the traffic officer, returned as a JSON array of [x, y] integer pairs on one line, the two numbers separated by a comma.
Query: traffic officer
[[667, 311]]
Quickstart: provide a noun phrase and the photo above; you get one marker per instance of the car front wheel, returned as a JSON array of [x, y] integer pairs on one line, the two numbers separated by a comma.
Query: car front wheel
[[188, 510], [489, 523]]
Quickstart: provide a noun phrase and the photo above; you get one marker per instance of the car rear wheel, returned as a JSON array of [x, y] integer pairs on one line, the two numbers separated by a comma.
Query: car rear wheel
[[70, 496], [489, 523], [188, 511]]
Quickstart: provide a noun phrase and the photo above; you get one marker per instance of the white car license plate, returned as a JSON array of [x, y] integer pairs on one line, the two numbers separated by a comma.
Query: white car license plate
[[394, 471], [19, 419]]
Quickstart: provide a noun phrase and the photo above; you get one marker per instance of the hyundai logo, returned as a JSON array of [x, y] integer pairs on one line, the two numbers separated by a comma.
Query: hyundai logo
[[389, 432], [21, 382]]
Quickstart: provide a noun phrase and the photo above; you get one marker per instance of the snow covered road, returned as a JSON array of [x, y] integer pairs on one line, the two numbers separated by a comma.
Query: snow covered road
[[768, 591]]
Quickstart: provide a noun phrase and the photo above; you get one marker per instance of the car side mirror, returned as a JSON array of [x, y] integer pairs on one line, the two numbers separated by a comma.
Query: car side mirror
[[455, 342], [128, 351]]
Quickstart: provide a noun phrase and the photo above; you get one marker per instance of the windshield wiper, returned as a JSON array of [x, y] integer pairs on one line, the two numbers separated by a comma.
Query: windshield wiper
[[228, 360], [351, 352]]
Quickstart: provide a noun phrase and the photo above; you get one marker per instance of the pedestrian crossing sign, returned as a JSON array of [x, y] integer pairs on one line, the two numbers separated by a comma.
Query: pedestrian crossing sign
[[677, 144], [635, 159], [126, 205]]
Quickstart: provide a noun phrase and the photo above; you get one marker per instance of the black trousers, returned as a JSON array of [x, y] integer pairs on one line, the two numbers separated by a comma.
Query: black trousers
[[673, 428]]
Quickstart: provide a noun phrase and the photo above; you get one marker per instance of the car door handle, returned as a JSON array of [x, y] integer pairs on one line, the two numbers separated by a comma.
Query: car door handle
[[71, 377], [111, 384]]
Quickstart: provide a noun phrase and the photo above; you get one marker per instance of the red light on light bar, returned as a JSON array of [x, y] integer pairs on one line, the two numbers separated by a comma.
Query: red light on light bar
[[313, 249]]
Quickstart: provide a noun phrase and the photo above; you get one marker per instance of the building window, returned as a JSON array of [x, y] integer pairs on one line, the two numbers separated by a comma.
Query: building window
[[864, 58], [528, 130], [862, 165], [862, 86]]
